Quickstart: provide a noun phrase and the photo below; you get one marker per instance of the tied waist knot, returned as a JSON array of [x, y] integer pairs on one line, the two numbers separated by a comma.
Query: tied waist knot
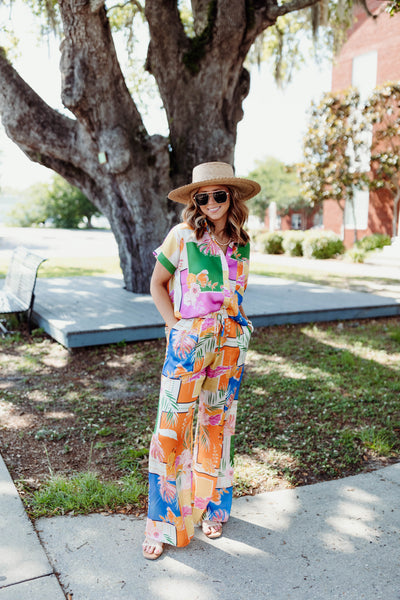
[[219, 324]]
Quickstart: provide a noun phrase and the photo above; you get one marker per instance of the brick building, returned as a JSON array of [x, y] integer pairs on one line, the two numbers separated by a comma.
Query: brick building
[[369, 58]]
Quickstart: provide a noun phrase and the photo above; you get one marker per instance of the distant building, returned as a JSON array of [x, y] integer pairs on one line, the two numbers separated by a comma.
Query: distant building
[[369, 58]]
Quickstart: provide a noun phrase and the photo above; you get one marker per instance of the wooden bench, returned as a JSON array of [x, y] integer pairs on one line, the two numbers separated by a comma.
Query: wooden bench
[[17, 295]]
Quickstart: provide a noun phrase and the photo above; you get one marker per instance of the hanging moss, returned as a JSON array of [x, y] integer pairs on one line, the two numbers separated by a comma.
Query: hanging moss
[[199, 44]]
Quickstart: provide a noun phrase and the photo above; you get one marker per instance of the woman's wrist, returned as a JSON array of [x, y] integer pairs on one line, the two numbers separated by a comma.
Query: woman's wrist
[[171, 322]]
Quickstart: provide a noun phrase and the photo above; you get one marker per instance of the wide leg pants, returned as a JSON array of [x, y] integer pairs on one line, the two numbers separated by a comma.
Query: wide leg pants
[[192, 480]]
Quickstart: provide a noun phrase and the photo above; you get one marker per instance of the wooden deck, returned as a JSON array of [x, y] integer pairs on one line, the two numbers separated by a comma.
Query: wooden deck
[[88, 311]]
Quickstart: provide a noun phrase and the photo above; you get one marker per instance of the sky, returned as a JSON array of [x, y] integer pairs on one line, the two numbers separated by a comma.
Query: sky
[[273, 125]]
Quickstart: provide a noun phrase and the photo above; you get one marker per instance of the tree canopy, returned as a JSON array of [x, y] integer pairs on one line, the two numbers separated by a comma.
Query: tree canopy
[[279, 184], [60, 203], [382, 111], [196, 57], [351, 145]]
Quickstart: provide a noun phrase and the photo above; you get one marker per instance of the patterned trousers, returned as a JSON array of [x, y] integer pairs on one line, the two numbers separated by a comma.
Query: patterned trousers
[[192, 480]]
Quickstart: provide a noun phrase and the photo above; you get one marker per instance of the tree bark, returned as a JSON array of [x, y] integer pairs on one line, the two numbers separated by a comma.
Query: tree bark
[[105, 149]]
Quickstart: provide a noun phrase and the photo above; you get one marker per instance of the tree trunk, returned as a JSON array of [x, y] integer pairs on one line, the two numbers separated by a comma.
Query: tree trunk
[[105, 149]]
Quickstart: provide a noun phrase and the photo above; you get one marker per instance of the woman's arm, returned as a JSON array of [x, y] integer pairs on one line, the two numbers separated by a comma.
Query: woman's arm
[[242, 312], [159, 292], [246, 317]]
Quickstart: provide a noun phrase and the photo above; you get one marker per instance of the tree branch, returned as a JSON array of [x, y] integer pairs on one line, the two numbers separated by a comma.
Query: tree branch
[[93, 86], [32, 124], [167, 30], [277, 10]]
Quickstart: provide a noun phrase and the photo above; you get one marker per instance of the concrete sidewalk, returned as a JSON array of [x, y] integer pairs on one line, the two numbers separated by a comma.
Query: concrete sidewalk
[[327, 541], [338, 539], [25, 571]]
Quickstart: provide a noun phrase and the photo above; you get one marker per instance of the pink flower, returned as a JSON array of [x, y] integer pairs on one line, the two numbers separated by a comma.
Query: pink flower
[[167, 489], [156, 450], [229, 428], [152, 531], [215, 420], [186, 458], [207, 246], [203, 417], [192, 295], [207, 323], [186, 511], [201, 503], [217, 371], [240, 281], [221, 515], [183, 344]]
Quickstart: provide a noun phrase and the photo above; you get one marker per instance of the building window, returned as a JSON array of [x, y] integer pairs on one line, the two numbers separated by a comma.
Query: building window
[[363, 77], [357, 217], [318, 219], [296, 221], [364, 72]]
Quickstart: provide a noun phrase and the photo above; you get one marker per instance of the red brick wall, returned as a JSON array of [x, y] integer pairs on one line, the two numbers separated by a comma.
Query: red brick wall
[[333, 216], [383, 35]]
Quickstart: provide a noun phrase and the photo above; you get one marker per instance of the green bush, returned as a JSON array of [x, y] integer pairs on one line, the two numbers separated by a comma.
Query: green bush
[[356, 255], [293, 242], [322, 244], [271, 243], [373, 242]]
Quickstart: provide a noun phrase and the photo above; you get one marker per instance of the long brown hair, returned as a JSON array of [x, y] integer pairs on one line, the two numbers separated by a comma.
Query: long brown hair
[[237, 216]]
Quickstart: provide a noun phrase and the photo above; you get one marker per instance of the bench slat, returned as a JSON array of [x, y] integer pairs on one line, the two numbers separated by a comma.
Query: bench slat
[[18, 292], [10, 303]]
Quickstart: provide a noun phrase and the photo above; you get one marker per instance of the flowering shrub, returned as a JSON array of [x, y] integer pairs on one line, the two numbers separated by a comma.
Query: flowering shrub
[[322, 244], [374, 241], [293, 242], [356, 255], [271, 243]]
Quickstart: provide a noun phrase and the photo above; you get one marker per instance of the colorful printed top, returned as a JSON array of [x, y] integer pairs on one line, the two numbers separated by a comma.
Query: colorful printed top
[[204, 279]]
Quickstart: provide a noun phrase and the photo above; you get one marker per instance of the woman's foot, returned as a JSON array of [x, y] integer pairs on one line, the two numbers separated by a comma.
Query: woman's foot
[[152, 549], [212, 529]]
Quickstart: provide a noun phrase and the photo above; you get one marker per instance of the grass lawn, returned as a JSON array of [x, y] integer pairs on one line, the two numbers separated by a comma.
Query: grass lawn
[[73, 266], [317, 402], [376, 285]]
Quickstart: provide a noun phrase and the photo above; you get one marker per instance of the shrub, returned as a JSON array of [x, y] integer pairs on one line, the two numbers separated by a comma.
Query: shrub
[[322, 244], [356, 255], [374, 241], [271, 243], [293, 242]]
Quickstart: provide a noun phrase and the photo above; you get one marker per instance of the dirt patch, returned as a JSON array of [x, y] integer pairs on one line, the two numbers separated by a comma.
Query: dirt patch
[[66, 412]]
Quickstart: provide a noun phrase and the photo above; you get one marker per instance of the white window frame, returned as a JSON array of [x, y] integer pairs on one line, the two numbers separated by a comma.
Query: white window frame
[[361, 204]]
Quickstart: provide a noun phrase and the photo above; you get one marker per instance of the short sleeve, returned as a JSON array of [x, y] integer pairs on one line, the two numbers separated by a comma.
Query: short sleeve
[[169, 252]]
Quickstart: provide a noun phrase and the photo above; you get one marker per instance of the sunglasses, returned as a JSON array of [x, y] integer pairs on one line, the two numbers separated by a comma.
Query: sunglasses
[[220, 196]]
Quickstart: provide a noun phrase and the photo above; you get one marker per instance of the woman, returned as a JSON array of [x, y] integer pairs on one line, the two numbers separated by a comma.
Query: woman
[[197, 285]]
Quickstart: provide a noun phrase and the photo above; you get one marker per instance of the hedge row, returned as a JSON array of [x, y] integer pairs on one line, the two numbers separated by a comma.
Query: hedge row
[[314, 243]]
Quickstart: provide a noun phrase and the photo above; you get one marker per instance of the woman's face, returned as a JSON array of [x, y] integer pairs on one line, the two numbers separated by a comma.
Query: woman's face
[[217, 213]]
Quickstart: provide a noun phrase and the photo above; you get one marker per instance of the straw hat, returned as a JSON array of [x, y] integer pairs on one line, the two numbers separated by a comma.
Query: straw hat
[[215, 173]]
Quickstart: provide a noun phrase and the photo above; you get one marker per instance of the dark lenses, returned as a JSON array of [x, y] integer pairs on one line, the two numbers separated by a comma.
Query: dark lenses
[[202, 198]]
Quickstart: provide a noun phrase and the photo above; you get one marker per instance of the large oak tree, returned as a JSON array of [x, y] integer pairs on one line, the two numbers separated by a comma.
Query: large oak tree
[[202, 82]]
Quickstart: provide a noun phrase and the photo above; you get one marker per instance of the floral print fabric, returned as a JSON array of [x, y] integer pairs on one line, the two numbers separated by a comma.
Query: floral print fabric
[[190, 480], [204, 279]]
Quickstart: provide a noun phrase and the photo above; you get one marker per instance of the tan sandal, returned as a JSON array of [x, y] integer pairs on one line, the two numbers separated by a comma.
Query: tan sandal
[[212, 529], [152, 549]]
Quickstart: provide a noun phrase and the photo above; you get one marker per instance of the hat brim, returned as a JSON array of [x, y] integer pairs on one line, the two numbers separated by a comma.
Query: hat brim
[[246, 188]]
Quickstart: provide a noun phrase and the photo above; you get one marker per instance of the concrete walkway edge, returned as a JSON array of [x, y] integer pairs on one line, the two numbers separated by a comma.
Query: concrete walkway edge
[[25, 571]]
